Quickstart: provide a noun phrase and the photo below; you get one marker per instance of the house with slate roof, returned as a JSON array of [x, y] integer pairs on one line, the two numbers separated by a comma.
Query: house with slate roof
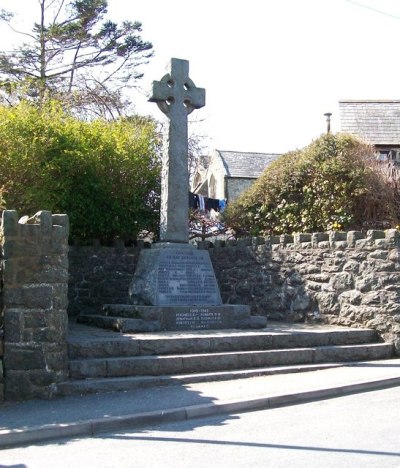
[[376, 121], [229, 173]]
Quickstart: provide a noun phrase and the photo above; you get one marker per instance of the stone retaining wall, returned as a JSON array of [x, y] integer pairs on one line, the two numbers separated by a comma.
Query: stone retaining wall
[[349, 278], [337, 278], [100, 275], [35, 283]]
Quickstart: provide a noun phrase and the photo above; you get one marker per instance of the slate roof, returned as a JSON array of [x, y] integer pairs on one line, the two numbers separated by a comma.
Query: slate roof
[[377, 121], [245, 165]]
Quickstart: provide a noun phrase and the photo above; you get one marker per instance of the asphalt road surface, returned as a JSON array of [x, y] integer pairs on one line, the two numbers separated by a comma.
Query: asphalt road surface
[[361, 430]]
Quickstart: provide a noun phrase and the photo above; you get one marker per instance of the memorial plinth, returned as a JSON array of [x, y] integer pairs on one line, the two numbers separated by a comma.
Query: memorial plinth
[[174, 285], [139, 318]]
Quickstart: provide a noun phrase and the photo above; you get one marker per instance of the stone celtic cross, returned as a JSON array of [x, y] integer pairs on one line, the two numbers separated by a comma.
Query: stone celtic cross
[[177, 96]]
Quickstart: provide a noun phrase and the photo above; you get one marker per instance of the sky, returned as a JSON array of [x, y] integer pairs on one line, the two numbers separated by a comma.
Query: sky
[[271, 68]]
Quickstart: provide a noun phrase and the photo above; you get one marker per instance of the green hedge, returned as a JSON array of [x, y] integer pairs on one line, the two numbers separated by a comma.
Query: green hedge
[[104, 175], [331, 184]]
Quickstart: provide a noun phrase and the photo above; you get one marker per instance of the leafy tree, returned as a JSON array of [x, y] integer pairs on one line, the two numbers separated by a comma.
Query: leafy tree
[[103, 174], [76, 55], [331, 184]]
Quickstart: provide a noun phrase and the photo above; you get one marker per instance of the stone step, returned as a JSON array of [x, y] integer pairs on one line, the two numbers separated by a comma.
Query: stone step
[[118, 345], [136, 319], [157, 365], [114, 384]]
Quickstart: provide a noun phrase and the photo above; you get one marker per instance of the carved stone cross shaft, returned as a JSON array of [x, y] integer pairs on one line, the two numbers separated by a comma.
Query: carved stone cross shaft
[[177, 96]]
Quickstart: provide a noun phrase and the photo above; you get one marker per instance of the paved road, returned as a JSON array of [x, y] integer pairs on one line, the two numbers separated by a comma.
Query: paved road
[[361, 430]]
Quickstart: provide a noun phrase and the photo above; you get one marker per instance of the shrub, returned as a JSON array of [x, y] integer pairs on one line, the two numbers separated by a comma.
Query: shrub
[[104, 175], [331, 184]]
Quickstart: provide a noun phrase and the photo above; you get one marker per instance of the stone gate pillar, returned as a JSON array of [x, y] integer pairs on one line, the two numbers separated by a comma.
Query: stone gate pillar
[[35, 286]]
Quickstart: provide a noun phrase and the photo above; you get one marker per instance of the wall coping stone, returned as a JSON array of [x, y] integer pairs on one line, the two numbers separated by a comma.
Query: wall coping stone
[[388, 238]]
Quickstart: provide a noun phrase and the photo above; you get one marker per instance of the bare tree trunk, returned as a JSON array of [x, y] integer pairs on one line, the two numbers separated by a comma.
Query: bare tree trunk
[[42, 53]]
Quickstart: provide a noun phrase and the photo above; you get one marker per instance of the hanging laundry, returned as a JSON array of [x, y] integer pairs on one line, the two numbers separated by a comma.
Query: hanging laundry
[[193, 201], [202, 205], [212, 204]]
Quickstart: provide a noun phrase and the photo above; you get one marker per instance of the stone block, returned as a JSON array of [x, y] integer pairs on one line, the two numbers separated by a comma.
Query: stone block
[[61, 220], [335, 236], [375, 234], [19, 386], [393, 237], [342, 281], [372, 298], [32, 236], [300, 238], [327, 302], [13, 325], [353, 237], [42, 335], [57, 362], [318, 237], [351, 266], [353, 297], [11, 250], [60, 296], [381, 243], [10, 223], [23, 357], [34, 318], [367, 283], [133, 366], [44, 218], [319, 278], [99, 348], [34, 296], [394, 255], [324, 245], [80, 369], [285, 239]]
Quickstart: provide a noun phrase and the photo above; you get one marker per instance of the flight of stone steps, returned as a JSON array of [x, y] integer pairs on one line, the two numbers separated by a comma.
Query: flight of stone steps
[[104, 361]]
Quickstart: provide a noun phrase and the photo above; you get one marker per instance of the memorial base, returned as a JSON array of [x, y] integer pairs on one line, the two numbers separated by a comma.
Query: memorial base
[[138, 318], [174, 288]]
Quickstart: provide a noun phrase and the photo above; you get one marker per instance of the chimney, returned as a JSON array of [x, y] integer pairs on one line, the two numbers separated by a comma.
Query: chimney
[[328, 122]]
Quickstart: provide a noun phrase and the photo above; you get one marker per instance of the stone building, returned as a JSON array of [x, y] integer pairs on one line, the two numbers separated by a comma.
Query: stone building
[[227, 174], [376, 121]]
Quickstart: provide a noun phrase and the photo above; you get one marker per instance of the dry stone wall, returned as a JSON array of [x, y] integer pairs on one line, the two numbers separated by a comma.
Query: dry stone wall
[[35, 283], [348, 279]]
